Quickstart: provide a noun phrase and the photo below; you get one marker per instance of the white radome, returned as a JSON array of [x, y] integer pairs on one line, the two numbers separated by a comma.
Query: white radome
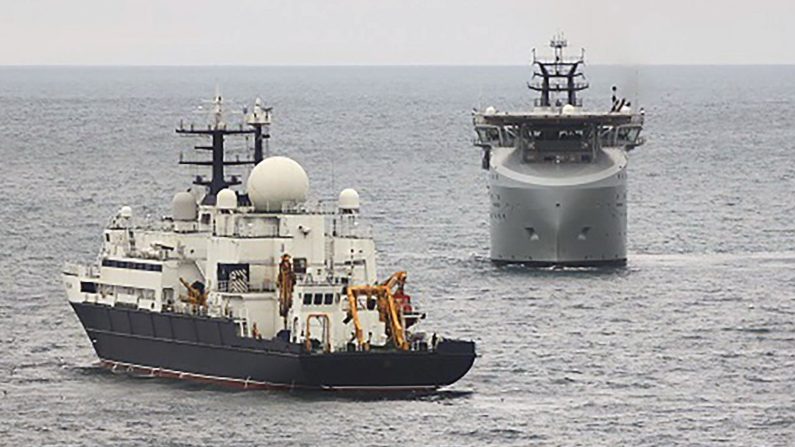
[[568, 109], [490, 110], [183, 206], [125, 212], [226, 199], [349, 199], [276, 181]]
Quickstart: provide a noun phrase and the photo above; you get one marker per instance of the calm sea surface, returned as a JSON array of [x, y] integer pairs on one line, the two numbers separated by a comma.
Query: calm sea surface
[[693, 343]]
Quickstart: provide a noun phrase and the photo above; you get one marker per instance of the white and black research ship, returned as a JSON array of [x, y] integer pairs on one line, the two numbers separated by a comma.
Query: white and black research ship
[[558, 173], [257, 288]]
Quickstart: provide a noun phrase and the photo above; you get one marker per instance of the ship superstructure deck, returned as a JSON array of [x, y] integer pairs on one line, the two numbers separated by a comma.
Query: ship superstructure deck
[[557, 173], [259, 288]]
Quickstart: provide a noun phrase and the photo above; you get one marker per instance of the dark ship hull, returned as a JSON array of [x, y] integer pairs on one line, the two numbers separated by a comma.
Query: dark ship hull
[[209, 350]]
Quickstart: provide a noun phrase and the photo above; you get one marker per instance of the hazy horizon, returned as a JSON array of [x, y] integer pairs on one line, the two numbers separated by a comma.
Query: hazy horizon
[[231, 65], [392, 33]]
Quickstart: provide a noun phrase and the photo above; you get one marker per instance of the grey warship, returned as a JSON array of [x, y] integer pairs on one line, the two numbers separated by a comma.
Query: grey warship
[[256, 287], [558, 173]]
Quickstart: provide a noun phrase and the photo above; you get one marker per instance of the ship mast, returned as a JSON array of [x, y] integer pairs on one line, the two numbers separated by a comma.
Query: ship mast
[[217, 130], [559, 75], [260, 120]]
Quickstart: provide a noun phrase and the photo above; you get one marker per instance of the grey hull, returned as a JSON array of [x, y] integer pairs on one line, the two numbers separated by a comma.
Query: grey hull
[[571, 221]]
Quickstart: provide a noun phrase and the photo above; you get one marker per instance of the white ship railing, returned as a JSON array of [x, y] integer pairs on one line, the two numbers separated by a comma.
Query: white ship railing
[[81, 270]]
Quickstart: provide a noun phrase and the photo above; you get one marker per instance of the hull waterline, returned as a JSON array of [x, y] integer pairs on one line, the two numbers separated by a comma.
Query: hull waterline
[[208, 350]]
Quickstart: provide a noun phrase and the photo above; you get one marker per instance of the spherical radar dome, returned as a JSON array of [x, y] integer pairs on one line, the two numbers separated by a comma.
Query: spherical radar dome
[[276, 181], [183, 207], [226, 199], [125, 212], [349, 199]]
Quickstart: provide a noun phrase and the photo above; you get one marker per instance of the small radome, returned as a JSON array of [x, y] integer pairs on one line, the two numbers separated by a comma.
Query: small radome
[[258, 288]]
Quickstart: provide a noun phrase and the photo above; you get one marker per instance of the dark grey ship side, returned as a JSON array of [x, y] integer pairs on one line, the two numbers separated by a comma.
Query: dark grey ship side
[[208, 349], [257, 288]]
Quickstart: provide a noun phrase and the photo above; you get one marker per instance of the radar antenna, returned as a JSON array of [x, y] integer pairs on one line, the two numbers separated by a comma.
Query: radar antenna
[[558, 75], [260, 120], [217, 130]]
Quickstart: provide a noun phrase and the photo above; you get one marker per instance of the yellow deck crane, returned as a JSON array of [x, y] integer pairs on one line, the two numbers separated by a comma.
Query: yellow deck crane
[[285, 281], [386, 306], [196, 297]]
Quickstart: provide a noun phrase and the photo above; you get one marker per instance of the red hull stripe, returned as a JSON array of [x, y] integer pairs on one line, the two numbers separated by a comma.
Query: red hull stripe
[[240, 383]]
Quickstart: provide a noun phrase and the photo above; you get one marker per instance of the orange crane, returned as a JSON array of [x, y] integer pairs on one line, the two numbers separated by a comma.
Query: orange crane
[[195, 296], [386, 306], [285, 282]]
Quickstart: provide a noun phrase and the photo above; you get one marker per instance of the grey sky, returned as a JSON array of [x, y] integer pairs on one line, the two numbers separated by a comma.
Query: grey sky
[[342, 32]]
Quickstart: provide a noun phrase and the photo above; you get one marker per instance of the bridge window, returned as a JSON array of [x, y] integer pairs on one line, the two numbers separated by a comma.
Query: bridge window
[[328, 299], [307, 299], [132, 265], [318, 299]]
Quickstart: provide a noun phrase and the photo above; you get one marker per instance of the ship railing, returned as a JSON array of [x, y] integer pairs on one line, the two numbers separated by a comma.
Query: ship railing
[[72, 268], [557, 157], [622, 136], [149, 222], [640, 141], [81, 270], [322, 206], [566, 60], [558, 87], [247, 228], [327, 206], [339, 226], [487, 135], [539, 103], [304, 208], [226, 286]]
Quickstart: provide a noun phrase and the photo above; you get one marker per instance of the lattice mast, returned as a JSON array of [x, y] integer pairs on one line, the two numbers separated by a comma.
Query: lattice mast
[[559, 75], [260, 120], [258, 125]]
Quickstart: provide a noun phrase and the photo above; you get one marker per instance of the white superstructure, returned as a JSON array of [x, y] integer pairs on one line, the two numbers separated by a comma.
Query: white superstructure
[[278, 264]]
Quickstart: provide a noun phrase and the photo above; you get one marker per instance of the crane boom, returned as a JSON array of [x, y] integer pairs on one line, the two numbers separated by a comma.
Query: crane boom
[[195, 296], [386, 303]]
